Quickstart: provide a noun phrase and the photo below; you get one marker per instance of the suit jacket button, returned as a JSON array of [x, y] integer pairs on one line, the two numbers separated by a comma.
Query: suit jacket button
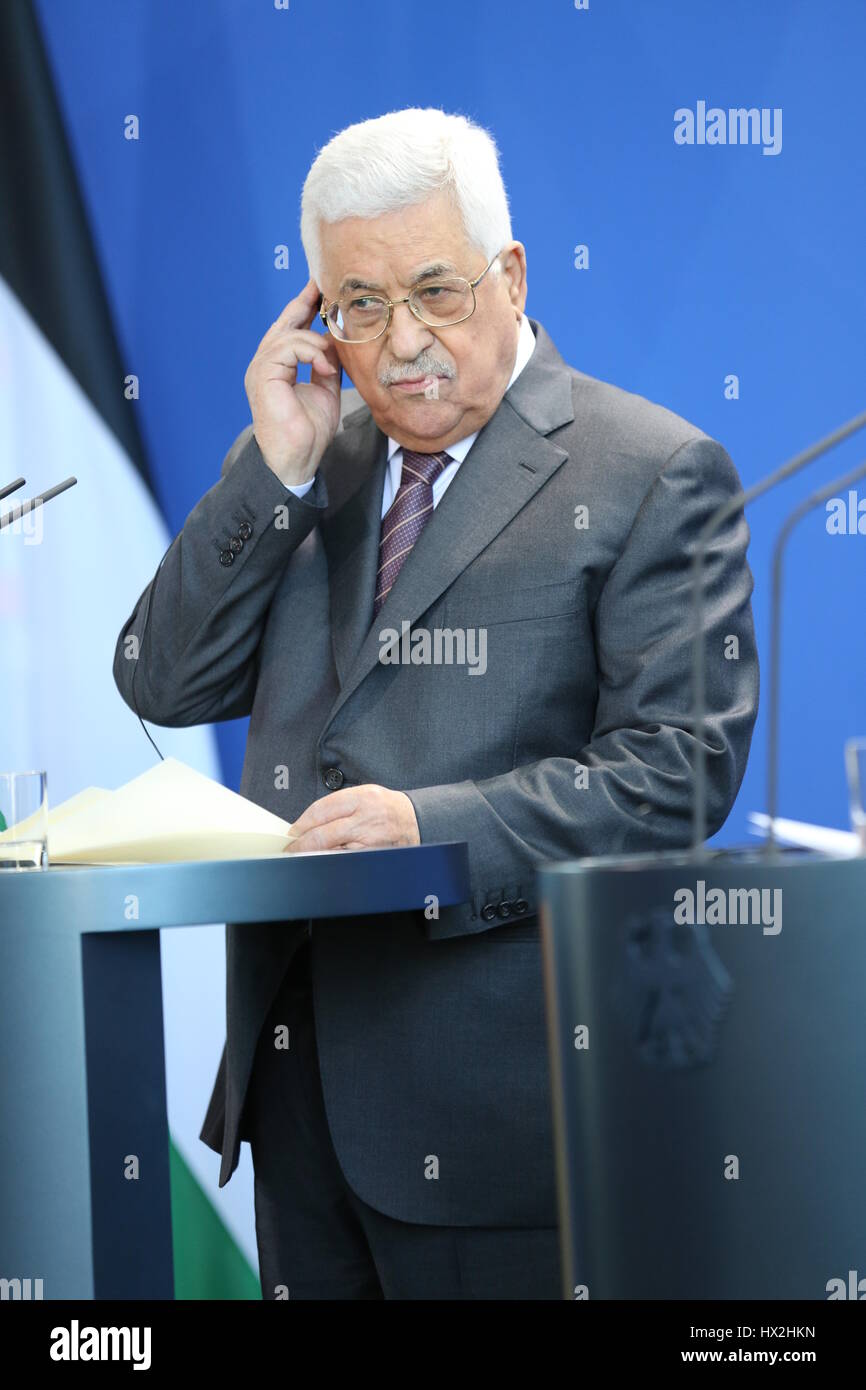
[[236, 544], [245, 530], [333, 779], [226, 557], [504, 909], [520, 906], [488, 912]]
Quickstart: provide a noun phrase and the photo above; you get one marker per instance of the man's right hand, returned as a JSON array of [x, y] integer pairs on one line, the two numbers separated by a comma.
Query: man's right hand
[[294, 422]]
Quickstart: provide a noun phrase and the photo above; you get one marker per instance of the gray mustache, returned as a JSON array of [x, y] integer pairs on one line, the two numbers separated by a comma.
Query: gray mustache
[[425, 365]]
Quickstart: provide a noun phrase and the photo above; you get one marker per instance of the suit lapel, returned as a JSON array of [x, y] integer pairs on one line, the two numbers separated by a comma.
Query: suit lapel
[[509, 461]]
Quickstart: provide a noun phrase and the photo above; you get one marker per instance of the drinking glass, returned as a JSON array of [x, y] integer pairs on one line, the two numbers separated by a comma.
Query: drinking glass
[[23, 820]]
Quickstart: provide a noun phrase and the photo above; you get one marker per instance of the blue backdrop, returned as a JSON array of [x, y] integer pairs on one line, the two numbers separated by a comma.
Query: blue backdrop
[[704, 260]]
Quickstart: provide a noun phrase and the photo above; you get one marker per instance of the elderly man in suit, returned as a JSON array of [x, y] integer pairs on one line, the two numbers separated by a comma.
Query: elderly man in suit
[[526, 532]]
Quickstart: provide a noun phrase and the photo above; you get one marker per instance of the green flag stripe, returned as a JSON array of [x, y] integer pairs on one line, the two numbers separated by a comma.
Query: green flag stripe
[[208, 1263]]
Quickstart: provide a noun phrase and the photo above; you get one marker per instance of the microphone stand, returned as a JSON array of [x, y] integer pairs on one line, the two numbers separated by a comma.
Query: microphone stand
[[802, 509], [719, 517]]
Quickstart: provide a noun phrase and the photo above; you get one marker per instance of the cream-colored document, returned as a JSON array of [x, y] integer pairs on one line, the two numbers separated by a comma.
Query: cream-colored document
[[169, 813]]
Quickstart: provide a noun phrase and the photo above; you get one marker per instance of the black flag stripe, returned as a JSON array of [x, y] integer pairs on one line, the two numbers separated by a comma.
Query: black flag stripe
[[47, 254]]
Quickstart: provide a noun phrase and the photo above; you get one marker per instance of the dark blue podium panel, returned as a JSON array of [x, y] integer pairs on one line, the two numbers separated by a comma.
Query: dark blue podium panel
[[707, 1023], [82, 1096]]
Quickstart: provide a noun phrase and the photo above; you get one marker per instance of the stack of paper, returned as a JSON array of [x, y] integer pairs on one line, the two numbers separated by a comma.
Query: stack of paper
[[170, 812]]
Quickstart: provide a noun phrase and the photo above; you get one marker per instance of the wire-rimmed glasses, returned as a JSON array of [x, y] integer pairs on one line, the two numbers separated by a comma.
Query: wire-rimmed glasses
[[360, 317]]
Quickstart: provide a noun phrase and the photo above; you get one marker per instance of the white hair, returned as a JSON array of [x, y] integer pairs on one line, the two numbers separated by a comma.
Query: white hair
[[399, 160]]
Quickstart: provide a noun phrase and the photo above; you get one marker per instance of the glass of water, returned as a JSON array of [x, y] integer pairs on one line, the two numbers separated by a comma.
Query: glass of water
[[855, 764], [23, 820]]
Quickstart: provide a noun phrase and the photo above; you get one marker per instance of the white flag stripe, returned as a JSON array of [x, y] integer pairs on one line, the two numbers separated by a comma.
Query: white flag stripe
[[63, 602]]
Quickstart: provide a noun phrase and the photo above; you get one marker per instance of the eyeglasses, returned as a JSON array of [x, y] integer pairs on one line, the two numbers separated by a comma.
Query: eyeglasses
[[359, 318]]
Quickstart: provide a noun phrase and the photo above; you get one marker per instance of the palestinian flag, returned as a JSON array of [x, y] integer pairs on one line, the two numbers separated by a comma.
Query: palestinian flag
[[70, 574]]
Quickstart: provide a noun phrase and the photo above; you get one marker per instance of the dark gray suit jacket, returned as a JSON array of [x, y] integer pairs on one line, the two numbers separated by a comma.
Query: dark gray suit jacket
[[431, 1033]]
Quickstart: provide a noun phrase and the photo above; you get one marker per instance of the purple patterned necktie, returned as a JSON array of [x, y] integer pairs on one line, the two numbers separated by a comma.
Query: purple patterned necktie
[[406, 517]]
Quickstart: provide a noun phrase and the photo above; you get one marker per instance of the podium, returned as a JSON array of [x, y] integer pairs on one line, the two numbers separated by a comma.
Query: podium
[[81, 1040], [708, 1078]]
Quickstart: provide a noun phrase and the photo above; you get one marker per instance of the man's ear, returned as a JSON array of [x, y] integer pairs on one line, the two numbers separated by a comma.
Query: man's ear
[[513, 263]]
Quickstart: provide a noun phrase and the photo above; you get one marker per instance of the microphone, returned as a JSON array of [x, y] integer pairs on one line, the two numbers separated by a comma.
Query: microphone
[[802, 509], [31, 502], [720, 516]]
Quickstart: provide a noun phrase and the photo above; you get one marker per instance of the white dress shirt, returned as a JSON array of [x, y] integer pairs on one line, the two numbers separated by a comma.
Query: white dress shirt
[[458, 451]]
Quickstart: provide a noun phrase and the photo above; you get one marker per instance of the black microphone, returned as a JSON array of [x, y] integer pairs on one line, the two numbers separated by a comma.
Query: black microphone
[[728, 509], [791, 520], [31, 502], [11, 487]]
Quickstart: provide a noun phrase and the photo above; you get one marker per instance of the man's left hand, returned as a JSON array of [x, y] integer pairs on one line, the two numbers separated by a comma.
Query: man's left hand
[[356, 818]]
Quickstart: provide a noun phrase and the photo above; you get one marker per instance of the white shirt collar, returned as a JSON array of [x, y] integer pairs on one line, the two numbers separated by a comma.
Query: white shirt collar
[[525, 347]]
